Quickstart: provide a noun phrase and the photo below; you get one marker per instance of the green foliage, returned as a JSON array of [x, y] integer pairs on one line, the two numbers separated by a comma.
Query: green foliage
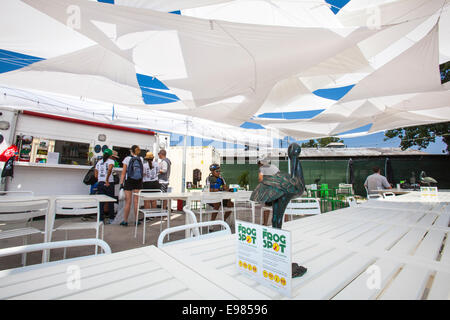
[[421, 136], [445, 72], [310, 144], [243, 179], [323, 142]]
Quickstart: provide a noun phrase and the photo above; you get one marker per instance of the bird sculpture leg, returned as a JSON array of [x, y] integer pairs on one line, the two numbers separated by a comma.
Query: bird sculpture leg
[[278, 209]]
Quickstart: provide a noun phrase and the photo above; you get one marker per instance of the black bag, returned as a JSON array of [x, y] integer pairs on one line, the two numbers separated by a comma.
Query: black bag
[[89, 178], [8, 170], [116, 178]]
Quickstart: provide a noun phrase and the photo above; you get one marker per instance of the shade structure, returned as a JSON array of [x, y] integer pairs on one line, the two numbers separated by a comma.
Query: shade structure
[[230, 68], [125, 116]]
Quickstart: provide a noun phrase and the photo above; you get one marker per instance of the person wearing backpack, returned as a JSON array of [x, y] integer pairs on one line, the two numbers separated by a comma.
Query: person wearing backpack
[[131, 181], [103, 173]]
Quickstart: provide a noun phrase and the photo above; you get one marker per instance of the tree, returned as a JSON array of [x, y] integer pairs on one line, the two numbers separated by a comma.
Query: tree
[[310, 144], [323, 142], [422, 136]]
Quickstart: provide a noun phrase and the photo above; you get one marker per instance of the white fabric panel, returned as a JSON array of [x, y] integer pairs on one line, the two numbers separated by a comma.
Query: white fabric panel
[[167, 5], [28, 31], [404, 10], [256, 57], [392, 120], [424, 101], [291, 95], [415, 70], [139, 118], [93, 72], [275, 12], [388, 13]]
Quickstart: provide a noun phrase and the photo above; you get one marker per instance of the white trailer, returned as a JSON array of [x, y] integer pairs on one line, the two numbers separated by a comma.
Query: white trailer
[[56, 152]]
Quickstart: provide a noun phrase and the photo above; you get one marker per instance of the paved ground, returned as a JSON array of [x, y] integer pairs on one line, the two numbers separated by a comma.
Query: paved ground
[[118, 237]]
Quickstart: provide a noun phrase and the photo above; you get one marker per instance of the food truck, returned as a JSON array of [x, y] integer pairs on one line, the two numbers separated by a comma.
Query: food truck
[[56, 152]]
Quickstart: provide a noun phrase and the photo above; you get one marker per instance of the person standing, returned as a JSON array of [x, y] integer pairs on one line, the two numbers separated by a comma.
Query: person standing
[[150, 179], [164, 170], [266, 169], [376, 182], [131, 181], [164, 173], [105, 179]]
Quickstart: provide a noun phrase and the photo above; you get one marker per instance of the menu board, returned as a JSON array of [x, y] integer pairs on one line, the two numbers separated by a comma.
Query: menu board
[[25, 143], [429, 193], [264, 254]]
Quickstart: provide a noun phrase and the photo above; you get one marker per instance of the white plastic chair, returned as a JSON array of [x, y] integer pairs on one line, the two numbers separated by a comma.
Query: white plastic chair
[[344, 187], [264, 208], [352, 201], [207, 198], [388, 194], [374, 197], [79, 207], [243, 198], [195, 230], [150, 213], [47, 246], [303, 206], [9, 194], [13, 210]]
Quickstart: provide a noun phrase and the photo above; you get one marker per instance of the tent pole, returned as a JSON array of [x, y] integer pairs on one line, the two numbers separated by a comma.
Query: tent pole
[[183, 169]]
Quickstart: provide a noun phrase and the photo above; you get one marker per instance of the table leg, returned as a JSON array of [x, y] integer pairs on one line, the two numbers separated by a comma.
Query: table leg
[[169, 212], [49, 223]]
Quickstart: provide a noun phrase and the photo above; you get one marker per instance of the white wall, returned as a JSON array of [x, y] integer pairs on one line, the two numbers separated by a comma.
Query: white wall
[[196, 158]]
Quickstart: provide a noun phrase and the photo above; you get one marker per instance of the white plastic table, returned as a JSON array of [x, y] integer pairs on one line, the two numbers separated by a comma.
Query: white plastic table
[[144, 273], [187, 196], [364, 252]]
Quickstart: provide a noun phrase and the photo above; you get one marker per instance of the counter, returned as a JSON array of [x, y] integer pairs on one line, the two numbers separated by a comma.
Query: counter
[[50, 179]]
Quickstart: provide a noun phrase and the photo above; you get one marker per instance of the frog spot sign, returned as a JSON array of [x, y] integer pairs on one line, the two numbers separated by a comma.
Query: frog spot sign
[[264, 254]]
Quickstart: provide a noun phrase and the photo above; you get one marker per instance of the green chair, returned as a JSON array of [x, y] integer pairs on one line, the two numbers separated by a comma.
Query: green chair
[[324, 190]]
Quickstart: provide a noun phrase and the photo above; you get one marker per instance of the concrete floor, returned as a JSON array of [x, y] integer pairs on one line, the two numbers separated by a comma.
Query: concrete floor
[[119, 238]]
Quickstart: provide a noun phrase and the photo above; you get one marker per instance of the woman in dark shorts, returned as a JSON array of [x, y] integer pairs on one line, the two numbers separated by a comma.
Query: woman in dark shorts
[[130, 185], [150, 179]]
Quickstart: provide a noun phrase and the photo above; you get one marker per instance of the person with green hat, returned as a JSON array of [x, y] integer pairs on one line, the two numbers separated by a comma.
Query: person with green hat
[[103, 173]]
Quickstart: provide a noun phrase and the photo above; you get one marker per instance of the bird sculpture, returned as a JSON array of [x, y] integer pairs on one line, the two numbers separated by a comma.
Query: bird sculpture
[[426, 180], [317, 180], [279, 189]]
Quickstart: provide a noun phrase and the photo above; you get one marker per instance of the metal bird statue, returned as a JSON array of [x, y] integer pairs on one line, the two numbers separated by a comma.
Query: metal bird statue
[[279, 190], [426, 180]]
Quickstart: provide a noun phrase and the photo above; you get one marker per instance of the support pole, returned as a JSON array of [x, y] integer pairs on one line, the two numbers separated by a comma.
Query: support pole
[[183, 170]]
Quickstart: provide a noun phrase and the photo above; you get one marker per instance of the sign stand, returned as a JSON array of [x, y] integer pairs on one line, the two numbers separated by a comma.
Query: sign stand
[[264, 254]]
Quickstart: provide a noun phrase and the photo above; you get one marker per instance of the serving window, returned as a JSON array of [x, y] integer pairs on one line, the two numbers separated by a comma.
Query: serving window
[[43, 150], [75, 153]]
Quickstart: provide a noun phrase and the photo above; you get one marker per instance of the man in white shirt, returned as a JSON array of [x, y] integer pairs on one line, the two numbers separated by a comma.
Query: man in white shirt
[[376, 182], [164, 173]]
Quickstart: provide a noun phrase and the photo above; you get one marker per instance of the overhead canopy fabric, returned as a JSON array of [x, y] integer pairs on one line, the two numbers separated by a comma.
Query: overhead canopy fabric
[[230, 61], [126, 116]]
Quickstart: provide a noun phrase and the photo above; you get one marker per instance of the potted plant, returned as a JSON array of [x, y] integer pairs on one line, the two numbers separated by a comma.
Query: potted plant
[[243, 179]]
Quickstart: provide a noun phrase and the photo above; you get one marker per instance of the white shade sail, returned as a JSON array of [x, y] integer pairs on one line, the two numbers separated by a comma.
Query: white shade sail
[[223, 63]]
